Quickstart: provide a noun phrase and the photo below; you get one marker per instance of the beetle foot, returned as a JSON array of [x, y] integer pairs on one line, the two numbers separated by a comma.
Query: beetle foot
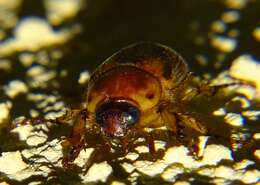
[[71, 152], [194, 152]]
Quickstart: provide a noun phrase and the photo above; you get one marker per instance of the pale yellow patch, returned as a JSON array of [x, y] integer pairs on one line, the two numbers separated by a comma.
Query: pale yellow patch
[[117, 183], [218, 26], [257, 154], [236, 4], [5, 64], [84, 77], [234, 119], [11, 162], [15, 88], [230, 16], [246, 68], [4, 111], [224, 44], [256, 33], [33, 34], [103, 170], [59, 11], [150, 168], [251, 176], [242, 164], [26, 59]]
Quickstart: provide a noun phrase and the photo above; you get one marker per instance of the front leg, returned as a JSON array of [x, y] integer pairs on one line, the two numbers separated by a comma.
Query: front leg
[[190, 140], [70, 114], [172, 117], [191, 122], [176, 122], [76, 141]]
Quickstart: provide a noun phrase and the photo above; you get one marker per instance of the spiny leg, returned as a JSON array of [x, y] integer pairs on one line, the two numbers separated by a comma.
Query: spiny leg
[[150, 140], [172, 118], [191, 122], [76, 141], [70, 114], [191, 89], [177, 121], [174, 129]]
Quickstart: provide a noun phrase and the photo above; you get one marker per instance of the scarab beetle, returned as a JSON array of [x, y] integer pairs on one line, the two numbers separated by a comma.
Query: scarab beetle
[[145, 85]]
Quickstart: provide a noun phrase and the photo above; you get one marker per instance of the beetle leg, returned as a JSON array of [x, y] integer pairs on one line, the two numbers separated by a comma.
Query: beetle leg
[[125, 144], [210, 90], [76, 141], [69, 115], [170, 120], [191, 122], [191, 143], [189, 90], [149, 139], [151, 145], [193, 148]]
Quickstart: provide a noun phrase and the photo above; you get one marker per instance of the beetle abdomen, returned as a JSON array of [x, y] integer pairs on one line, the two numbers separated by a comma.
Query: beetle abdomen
[[161, 61]]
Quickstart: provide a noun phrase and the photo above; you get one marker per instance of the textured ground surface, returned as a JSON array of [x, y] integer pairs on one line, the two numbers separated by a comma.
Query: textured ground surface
[[48, 49]]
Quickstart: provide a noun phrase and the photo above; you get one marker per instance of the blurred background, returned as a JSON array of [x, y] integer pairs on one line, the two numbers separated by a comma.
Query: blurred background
[[57, 40], [48, 48]]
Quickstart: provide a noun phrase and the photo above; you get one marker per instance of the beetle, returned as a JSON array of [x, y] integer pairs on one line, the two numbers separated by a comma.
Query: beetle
[[144, 85]]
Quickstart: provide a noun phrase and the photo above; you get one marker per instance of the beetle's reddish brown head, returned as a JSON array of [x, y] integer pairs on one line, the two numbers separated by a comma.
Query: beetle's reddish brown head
[[117, 117]]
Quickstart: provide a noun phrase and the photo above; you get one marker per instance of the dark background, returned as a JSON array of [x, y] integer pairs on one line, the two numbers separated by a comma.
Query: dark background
[[108, 25]]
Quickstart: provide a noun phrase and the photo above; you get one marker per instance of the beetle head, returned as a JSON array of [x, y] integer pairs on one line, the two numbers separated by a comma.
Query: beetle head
[[117, 117]]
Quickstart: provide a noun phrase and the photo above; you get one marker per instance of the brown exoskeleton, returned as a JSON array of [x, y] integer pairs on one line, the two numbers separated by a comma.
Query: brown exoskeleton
[[145, 85]]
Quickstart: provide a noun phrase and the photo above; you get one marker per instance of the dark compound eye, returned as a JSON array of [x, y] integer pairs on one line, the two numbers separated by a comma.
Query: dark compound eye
[[130, 115], [116, 117]]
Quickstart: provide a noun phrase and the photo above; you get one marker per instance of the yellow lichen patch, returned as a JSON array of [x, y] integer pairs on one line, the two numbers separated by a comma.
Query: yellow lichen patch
[[40, 76], [256, 33], [246, 68], [103, 170], [11, 162], [236, 4], [32, 34], [26, 59], [150, 168], [5, 65], [4, 112], [251, 176], [8, 12], [257, 136], [257, 154], [84, 77], [234, 119], [224, 44], [59, 11], [117, 183], [242, 164], [230, 16], [14, 88]]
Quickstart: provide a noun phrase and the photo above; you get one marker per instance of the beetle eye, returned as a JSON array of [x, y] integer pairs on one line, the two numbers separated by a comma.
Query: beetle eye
[[130, 116], [117, 113]]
